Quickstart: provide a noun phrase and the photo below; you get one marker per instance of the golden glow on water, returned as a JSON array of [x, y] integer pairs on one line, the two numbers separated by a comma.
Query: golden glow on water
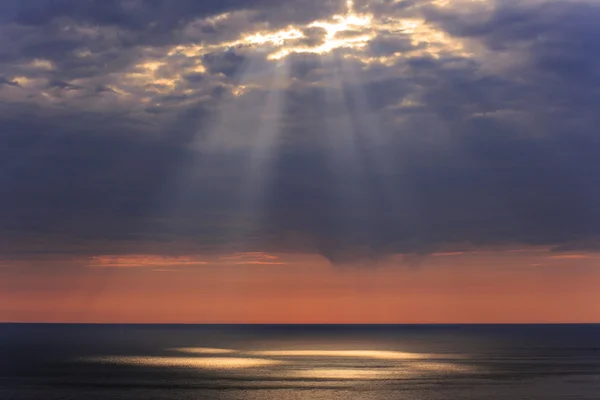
[[440, 367], [317, 364], [347, 374], [373, 354], [203, 350], [211, 363]]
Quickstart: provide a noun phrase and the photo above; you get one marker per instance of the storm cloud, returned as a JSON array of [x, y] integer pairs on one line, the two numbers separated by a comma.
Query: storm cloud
[[298, 126]]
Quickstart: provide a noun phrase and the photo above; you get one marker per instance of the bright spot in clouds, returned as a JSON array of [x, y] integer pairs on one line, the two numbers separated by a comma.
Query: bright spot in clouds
[[334, 38], [165, 71], [278, 38], [350, 30]]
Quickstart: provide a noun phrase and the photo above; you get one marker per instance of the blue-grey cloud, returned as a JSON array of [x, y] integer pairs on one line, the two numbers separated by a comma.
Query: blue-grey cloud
[[140, 124]]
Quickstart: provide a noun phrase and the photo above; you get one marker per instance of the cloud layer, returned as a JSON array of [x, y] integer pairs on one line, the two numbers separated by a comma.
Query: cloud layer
[[353, 130]]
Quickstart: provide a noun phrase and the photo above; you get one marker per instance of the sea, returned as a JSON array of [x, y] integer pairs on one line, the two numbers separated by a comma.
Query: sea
[[285, 362]]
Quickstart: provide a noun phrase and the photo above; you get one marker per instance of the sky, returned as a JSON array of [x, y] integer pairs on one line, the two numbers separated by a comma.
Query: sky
[[299, 161]]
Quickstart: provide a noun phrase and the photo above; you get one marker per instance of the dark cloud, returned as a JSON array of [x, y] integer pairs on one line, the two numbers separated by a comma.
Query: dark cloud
[[228, 63], [158, 21], [416, 152], [4, 81]]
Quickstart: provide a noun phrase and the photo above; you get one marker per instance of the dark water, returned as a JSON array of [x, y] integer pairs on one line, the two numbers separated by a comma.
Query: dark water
[[299, 362]]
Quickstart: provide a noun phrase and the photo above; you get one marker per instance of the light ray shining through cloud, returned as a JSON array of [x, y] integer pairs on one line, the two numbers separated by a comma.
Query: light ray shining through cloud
[[374, 132]]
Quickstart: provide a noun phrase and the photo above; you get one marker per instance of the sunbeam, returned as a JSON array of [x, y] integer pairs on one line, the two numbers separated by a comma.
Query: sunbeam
[[385, 186], [244, 141], [258, 166], [346, 154], [265, 141], [260, 161]]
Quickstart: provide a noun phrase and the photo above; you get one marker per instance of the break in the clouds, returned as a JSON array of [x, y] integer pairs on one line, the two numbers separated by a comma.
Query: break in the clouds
[[356, 130]]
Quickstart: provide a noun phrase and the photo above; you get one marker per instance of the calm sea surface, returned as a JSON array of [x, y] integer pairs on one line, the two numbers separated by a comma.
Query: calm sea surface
[[51, 362]]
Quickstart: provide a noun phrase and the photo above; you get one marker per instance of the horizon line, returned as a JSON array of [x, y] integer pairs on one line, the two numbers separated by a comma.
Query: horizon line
[[301, 324]]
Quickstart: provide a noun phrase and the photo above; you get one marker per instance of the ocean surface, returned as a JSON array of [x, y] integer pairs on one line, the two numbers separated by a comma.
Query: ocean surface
[[60, 362]]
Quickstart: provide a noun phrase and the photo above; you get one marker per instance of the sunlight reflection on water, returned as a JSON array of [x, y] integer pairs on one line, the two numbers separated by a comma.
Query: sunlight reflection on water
[[317, 363], [203, 350], [215, 363], [342, 365], [374, 354], [348, 374]]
